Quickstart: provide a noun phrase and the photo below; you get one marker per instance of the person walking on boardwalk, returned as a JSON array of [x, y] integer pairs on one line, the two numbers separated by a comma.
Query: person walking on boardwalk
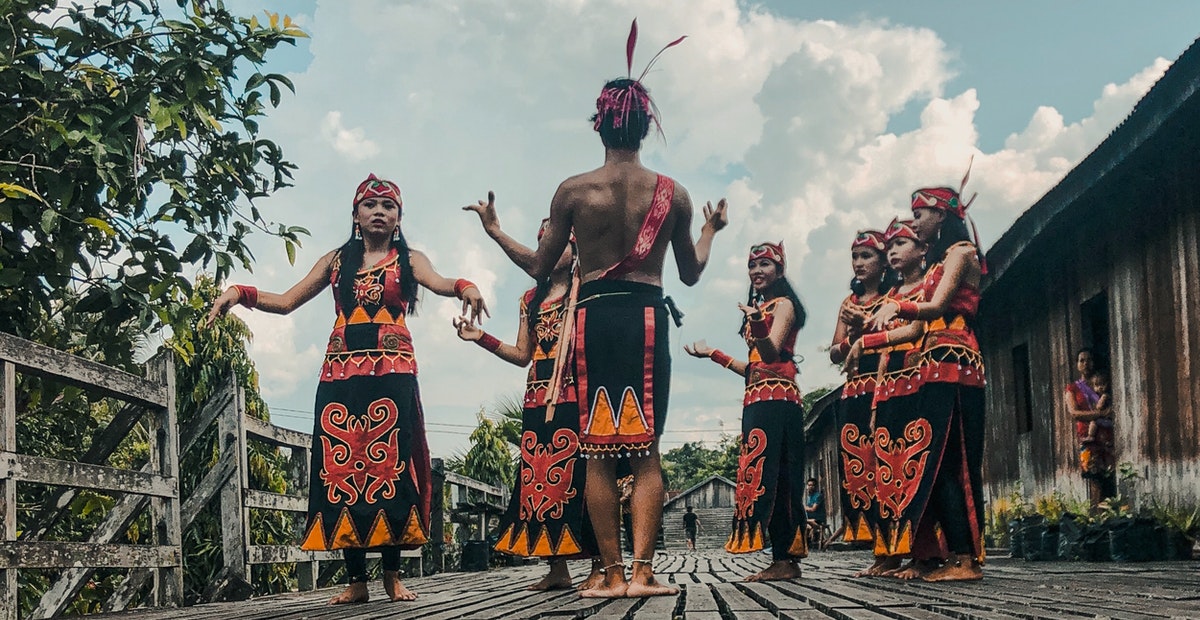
[[370, 461], [691, 525], [951, 386], [897, 417], [546, 516], [620, 342], [769, 497], [855, 444]]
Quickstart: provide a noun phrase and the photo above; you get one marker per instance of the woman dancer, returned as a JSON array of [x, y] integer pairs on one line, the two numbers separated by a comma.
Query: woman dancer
[[770, 482], [546, 517], [897, 415], [370, 461], [951, 390], [868, 259]]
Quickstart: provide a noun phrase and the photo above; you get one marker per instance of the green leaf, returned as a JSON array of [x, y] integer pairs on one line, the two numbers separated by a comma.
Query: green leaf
[[100, 224], [291, 251], [13, 190], [49, 220]]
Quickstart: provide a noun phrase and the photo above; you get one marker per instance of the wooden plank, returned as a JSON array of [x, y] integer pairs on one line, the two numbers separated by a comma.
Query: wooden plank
[[616, 610], [657, 608], [274, 501], [278, 554], [698, 598], [67, 554], [276, 435], [8, 488], [166, 527], [35, 359], [218, 402], [732, 599], [235, 522], [471, 483], [82, 475]]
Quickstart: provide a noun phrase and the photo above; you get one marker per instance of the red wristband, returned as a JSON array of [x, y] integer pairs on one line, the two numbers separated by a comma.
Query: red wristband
[[759, 329], [875, 340], [247, 295], [489, 342], [907, 310], [461, 285], [721, 358]]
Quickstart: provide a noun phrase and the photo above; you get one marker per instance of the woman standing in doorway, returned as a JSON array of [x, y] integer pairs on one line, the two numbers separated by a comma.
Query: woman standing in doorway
[[370, 462], [1093, 430]]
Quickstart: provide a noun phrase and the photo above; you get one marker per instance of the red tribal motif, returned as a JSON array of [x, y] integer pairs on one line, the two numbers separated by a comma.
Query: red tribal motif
[[546, 474], [375, 187], [368, 290], [660, 206], [770, 251], [869, 239], [858, 466], [750, 471], [901, 466], [365, 460], [900, 229]]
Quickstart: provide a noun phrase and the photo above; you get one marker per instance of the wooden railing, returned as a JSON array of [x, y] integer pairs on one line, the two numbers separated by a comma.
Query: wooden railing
[[156, 484], [159, 564]]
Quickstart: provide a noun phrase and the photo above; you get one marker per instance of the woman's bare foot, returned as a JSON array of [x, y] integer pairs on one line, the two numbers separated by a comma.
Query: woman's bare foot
[[557, 579], [961, 567], [777, 571], [396, 590], [594, 579], [354, 593], [915, 569], [882, 565], [613, 584], [642, 582]]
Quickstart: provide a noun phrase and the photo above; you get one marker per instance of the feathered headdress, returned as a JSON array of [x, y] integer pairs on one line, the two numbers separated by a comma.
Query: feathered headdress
[[618, 102], [949, 200]]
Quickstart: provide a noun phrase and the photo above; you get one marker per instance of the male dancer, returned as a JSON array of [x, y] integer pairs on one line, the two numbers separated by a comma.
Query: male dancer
[[624, 216]]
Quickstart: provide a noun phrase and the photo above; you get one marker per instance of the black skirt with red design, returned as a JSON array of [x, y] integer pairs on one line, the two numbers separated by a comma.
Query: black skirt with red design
[[546, 515], [857, 451], [769, 498]]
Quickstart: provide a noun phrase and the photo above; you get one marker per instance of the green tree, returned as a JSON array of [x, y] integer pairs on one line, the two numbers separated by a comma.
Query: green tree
[[693, 462], [489, 459], [129, 151]]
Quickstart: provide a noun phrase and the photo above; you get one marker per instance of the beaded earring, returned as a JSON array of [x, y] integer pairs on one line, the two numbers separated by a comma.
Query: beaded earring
[[357, 232]]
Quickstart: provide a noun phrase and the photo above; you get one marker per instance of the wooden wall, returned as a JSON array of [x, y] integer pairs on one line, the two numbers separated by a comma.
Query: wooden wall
[[1139, 247], [713, 504]]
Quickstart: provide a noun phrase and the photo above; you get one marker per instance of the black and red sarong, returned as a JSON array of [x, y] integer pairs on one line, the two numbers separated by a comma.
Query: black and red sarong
[[623, 367], [856, 447], [370, 460], [546, 516], [769, 496]]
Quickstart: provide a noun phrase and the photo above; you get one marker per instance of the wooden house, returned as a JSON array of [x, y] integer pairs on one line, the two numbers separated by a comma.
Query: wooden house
[[1109, 259], [712, 501]]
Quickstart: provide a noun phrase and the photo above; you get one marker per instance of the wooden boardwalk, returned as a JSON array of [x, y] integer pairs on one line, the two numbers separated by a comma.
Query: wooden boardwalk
[[712, 590]]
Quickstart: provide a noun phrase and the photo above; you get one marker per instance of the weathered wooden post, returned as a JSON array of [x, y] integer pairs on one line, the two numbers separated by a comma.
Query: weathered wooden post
[[307, 573], [167, 529], [437, 514], [235, 527], [8, 487]]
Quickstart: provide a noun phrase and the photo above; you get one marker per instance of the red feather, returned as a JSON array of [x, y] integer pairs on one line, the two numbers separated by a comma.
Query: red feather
[[665, 48], [630, 43]]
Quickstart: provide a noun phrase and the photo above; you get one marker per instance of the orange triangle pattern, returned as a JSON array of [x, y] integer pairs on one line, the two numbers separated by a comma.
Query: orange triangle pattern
[[503, 544], [314, 539], [344, 534], [541, 548], [414, 534], [521, 545], [567, 545], [799, 546], [383, 316], [603, 421], [380, 534], [359, 316], [632, 420]]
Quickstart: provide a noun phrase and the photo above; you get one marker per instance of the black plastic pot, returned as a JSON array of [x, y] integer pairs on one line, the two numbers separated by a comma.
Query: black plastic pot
[[1070, 539], [475, 555], [1136, 540]]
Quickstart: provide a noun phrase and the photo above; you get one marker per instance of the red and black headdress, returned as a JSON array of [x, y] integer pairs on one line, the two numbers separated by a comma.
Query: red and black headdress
[[869, 239], [770, 251], [950, 201], [900, 229], [375, 187], [618, 102]]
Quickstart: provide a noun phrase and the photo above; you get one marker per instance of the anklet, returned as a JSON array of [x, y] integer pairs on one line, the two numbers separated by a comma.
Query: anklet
[[635, 561], [604, 571]]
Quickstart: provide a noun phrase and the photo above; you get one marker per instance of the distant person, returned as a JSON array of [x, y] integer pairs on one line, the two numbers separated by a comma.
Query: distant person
[[1093, 428], [814, 505], [691, 523]]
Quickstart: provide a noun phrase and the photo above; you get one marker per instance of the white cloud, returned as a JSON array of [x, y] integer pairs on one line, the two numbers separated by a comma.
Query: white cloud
[[787, 118], [353, 143]]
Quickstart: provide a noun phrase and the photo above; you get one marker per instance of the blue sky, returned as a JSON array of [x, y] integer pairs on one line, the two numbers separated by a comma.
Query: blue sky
[[814, 119]]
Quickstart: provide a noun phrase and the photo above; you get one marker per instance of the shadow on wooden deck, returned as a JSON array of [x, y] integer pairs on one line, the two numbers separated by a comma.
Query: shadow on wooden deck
[[713, 590]]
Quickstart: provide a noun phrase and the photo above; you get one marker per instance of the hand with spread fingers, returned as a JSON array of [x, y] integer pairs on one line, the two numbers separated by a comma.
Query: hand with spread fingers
[[752, 313], [486, 212], [467, 331], [715, 219], [699, 348], [473, 302]]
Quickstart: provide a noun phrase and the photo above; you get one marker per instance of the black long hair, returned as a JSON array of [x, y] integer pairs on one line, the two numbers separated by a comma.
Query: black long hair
[[543, 289], [953, 230], [781, 288], [890, 278], [351, 257], [636, 127]]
